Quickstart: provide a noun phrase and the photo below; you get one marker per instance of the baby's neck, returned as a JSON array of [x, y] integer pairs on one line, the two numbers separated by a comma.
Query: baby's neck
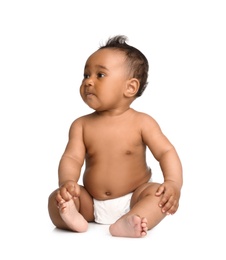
[[115, 112]]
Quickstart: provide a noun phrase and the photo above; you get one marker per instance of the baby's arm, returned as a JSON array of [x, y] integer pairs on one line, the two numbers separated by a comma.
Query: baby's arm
[[165, 153], [171, 187], [71, 163]]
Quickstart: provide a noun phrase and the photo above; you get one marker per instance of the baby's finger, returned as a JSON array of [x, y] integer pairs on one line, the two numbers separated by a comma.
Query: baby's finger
[[64, 194], [59, 200], [74, 190], [58, 196], [169, 207], [163, 201], [173, 209], [160, 190]]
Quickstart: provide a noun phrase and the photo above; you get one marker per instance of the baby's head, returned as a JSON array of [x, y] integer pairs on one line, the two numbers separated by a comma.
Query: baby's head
[[137, 62]]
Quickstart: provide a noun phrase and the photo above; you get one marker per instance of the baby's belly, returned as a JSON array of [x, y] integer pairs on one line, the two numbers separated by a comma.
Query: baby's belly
[[102, 186]]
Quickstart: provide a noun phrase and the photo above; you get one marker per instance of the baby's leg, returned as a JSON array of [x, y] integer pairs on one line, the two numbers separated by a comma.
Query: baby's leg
[[144, 203], [65, 215], [72, 218], [129, 226]]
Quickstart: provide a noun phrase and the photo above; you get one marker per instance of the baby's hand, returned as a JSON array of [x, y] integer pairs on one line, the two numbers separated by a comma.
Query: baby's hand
[[67, 191], [170, 193]]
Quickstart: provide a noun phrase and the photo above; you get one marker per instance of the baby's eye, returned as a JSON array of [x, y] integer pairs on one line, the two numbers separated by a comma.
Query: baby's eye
[[86, 76], [100, 75]]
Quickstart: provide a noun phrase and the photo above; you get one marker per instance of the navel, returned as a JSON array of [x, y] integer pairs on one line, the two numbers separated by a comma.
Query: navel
[[128, 152], [108, 193]]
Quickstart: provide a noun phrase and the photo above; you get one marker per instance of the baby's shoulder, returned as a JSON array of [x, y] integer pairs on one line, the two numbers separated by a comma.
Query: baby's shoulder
[[143, 116], [144, 120], [83, 120]]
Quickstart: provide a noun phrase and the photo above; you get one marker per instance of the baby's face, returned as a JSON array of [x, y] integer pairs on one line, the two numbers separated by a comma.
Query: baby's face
[[105, 78]]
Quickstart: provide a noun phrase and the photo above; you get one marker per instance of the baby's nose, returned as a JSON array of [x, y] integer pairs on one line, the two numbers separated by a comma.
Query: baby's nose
[[89, 82]]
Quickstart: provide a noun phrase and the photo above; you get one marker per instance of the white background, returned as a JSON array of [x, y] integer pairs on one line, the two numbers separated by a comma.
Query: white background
[[43, 48]]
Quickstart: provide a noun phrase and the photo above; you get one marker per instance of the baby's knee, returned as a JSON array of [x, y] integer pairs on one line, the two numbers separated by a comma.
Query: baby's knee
[[150, 189], [52, 198]]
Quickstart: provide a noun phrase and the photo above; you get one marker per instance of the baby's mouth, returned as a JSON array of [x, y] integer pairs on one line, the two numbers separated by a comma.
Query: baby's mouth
[[88, 94]]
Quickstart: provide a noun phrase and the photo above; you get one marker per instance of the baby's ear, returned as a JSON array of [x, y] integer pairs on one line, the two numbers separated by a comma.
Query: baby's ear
[[132, 87]]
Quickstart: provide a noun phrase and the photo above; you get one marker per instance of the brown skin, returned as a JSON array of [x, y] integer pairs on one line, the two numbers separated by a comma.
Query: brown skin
[[112, 141]]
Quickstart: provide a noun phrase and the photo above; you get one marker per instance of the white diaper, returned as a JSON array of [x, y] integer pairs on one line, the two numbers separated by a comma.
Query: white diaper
[[108, 211]]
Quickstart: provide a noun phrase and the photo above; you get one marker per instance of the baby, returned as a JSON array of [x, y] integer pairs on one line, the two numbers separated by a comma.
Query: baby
[[117, 188]]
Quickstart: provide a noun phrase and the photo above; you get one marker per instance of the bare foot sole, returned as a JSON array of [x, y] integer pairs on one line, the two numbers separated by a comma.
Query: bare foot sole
[[129, 226], [70, 215]]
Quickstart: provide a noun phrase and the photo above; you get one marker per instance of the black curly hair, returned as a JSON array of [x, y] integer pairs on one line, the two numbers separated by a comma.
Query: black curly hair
[[137, 62]]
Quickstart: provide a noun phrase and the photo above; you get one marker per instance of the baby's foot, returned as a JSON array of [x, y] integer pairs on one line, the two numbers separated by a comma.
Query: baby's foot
[[129, 226], [70, 215]]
